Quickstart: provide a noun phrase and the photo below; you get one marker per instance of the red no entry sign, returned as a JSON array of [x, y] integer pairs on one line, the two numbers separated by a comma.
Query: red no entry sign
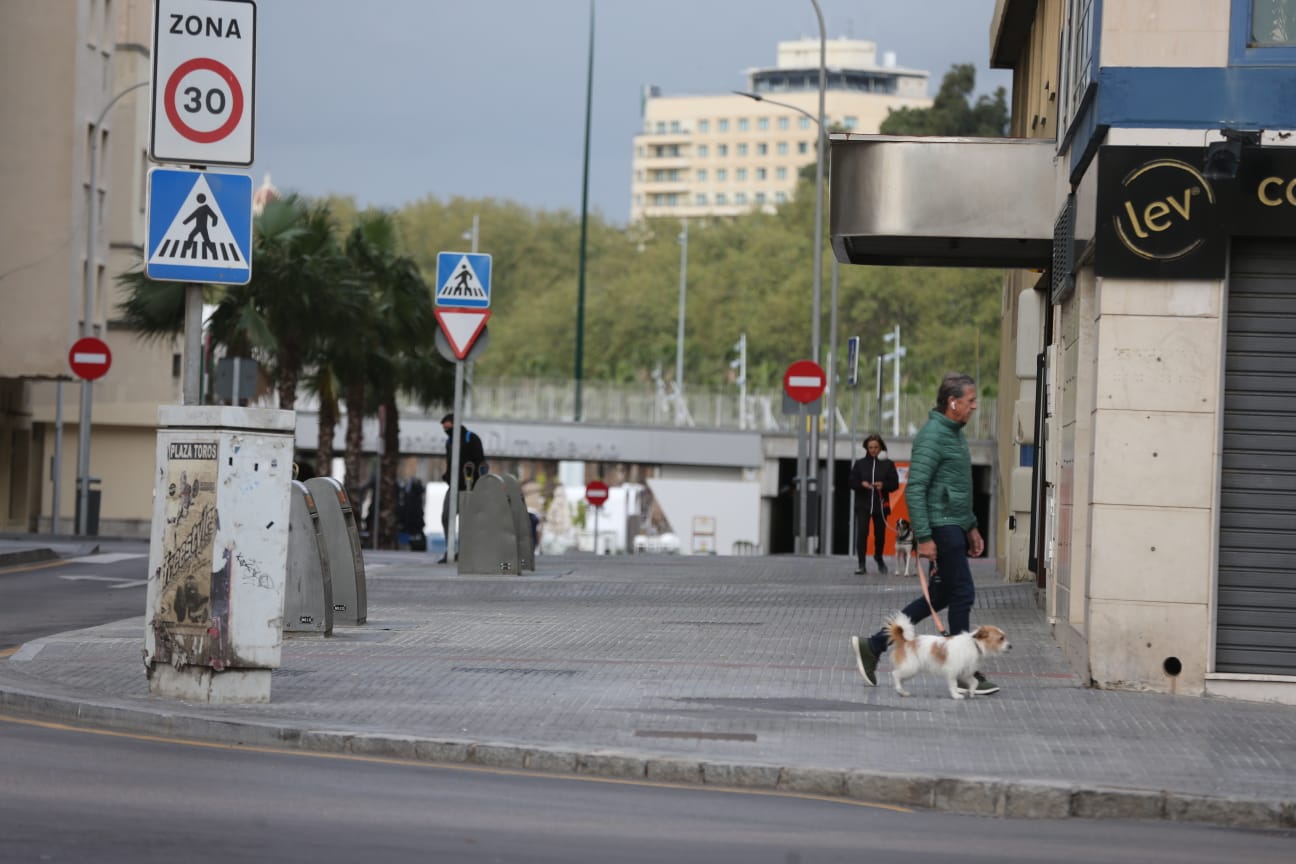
[[89, 358], [804, 381], [596, 492]]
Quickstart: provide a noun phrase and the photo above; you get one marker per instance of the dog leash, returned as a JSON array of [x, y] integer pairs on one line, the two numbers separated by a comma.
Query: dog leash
[[922, 580]]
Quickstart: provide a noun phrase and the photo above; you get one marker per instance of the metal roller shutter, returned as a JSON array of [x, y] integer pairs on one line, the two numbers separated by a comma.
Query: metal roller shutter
[[1256, 605]]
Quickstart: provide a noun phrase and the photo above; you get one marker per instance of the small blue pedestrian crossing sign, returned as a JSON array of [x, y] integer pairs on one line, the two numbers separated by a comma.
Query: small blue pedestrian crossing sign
[[463, 280], [199, 227]]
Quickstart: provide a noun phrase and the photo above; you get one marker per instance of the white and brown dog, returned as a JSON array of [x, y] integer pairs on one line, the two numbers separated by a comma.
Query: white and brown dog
[[955, 657], [904, 546]]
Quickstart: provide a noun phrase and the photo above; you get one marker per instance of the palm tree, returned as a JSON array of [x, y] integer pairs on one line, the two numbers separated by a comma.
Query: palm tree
[[394, 353]]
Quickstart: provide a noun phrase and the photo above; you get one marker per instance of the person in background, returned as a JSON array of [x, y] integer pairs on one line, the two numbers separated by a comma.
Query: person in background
[[472, 464], [939, 497], [873, 477], [410, 499]]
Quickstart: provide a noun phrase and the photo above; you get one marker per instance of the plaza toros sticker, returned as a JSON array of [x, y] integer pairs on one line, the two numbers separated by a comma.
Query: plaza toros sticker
[[1165, 211]]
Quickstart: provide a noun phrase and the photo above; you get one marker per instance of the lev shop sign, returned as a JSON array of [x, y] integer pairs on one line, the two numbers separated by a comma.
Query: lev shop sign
[[1160, 216]]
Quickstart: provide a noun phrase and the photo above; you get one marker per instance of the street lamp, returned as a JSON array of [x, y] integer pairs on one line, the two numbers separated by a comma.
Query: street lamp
[[894, 356], [580, 290], [679, 335], [87, 316], [816, 311]]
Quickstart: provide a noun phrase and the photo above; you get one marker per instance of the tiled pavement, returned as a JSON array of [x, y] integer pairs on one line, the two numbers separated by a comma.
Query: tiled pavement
[[734, 671]]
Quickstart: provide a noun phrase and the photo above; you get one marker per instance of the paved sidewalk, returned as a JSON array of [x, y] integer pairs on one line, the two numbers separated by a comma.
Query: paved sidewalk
[[728, 671]]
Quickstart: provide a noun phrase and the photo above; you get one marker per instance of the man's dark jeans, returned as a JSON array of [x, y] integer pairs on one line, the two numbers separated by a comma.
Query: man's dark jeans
[[951, 587]]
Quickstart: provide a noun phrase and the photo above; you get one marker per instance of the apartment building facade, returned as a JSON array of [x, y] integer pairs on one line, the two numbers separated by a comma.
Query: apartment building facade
[[1146, 215], [722, 154], [69, 72]]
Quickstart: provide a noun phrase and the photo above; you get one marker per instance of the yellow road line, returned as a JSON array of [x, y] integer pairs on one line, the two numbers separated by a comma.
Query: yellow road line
[[481, 769], [38, 565]]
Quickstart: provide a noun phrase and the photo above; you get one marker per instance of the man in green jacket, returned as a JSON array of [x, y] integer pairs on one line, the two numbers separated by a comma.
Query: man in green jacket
[[939, 496]]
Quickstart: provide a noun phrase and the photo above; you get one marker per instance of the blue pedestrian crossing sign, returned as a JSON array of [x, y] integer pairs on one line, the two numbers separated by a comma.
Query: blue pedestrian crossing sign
[[199, 227], [463, 280]]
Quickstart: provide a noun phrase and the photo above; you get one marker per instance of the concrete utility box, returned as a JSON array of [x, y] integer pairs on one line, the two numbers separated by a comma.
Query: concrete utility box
[[218, 552], [308, 597], [340, 539]]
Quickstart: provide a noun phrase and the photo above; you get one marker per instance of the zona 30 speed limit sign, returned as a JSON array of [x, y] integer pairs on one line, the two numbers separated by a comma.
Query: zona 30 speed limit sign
[[204, 65]]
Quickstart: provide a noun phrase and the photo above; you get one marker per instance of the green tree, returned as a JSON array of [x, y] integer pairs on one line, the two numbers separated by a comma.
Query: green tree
[[390, 351], [952, 111]]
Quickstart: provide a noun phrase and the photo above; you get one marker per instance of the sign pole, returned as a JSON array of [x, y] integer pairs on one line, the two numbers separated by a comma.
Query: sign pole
[[597, 508], [193, 345], [803, 534], [452, 548]]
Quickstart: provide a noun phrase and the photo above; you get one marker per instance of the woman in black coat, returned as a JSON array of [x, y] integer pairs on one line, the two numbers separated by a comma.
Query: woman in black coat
[[873, 477]]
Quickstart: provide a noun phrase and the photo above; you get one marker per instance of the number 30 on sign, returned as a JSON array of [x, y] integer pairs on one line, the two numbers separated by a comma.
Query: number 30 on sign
[[204, 60]]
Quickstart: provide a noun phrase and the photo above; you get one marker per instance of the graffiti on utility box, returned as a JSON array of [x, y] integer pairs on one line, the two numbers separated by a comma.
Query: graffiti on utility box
[[191, 621]]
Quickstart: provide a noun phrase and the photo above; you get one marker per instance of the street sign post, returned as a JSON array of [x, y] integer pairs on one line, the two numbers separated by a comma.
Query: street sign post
[[462, 298], [596, 493], [462, 307], [204, 64], [804, 381], [89, 358], [199, 227]]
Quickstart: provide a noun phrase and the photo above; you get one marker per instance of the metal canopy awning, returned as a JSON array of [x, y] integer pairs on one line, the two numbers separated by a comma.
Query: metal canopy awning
[[942, 202]]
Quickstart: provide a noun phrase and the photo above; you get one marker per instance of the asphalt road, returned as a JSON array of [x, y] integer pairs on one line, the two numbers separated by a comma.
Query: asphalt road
[[43, 598], [69, 795]]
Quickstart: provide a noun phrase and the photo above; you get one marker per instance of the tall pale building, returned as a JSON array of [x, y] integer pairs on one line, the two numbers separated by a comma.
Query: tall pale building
[[68, 76], [722, 154]]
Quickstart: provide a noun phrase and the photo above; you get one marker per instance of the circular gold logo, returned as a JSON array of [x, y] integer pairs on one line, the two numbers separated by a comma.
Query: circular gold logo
[[1165, 211]]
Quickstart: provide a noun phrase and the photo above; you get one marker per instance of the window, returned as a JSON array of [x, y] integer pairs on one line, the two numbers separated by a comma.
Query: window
[[1273, 22], [762, 149], [1262, 32], [700, 199], [675, 127], [782, 148], [721, 199], [743, 125], [703, 151], [802, 148], [740, 174], [722, 124], [780, 173], [704, 126], [722, 150], [780, 197], [1077, 59], [783, 123], [740, 198], [760, 197], [760, 173], [742, 149], [661, 127], [803, 123], [762, 124], [701, 175], [851, 121], [721, 175]]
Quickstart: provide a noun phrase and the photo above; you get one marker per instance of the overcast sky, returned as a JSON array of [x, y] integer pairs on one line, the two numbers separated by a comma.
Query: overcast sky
[[395, 100]]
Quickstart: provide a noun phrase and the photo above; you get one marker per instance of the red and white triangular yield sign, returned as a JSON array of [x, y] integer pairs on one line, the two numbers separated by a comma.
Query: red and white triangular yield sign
[[462, 327]]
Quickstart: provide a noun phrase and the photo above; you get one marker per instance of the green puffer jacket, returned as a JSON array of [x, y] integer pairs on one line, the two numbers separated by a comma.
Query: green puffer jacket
[[939, 489]]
